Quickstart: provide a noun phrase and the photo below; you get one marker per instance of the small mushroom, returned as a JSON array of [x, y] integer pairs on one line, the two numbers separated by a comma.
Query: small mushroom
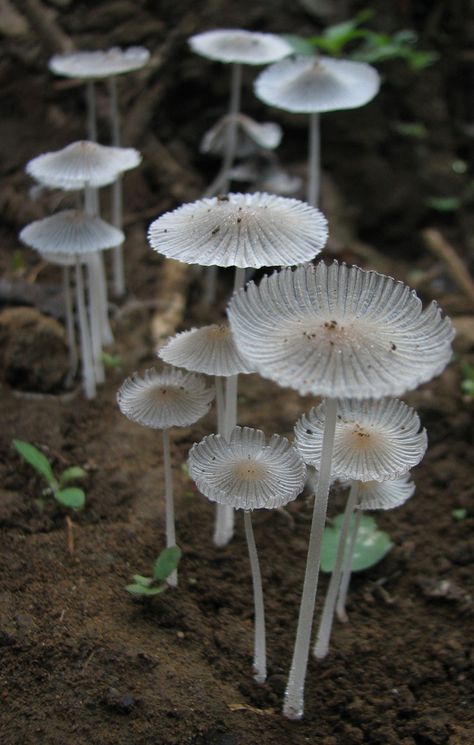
[[247, 473], [251, 136], [162, 400]]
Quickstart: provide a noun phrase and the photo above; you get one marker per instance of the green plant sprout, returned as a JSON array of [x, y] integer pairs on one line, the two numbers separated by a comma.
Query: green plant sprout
[[67, 496], [371, 545], [467, 382], [111, 361], [459, 514], [356, 42], [165, 565]]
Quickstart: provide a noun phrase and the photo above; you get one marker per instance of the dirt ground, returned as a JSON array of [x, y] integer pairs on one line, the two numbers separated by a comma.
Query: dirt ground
[[82, 662]]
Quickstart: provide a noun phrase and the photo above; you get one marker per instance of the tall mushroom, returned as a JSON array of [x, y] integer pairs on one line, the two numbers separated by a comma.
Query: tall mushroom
[[246, 473], [162, 400]]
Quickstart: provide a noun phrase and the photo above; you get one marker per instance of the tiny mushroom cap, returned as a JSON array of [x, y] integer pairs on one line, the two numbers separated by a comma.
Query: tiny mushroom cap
[[317, 84], [374, 439], [238, 46], [340, 331], [82, 163], [165, 399], [210, 350], [99, 64], [384, 495], [251, 135], [246, 472], [71, 233], [243, 230]]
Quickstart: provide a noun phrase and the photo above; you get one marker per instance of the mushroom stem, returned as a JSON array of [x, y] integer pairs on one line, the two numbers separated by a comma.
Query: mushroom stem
[[239, 278], [259, 660], [321, 648], [70, 325], [226, 515], [294, 695], [169, 503], [221, 532], [221, 182], [93, 267], [118, 269], [91, 207], [314, 164], [86, 350], [91, 111], [210, 284], [347, 571]]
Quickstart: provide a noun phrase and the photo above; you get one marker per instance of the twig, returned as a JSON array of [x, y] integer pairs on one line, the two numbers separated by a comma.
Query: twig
[[175, 279], [43, 19], [70, 535], [458, 270]]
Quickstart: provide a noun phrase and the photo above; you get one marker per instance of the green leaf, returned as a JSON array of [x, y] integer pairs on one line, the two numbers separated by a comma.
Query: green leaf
[[460, 513], [166, 563], [443, 204], [71, 497], [36, 459], [111, 360], [137, 589], [371, 545], [299, 45], [139, 579], [71, 474], [417, 130]]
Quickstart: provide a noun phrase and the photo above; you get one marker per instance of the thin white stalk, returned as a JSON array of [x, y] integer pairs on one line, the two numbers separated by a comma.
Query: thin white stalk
[[226, 514], [91, 111], [92, 207], [260, 656], [239, 278], [294, 695], [95, 316], [347, 571], [70, 325], [117, 200], [321, 648], [210, 284], [314, 161], [86, 348], [221, 534], [169, 502]]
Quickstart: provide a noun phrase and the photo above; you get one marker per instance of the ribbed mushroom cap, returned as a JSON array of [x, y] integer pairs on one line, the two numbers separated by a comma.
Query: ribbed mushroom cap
[[165, 399], [250, 136], [310, 85], [246, 473], [385, 495], [210, 350], [71, 232], [82, 163], [374, 440], [244, 230], [99, 64], [244, 47], [340, 331]]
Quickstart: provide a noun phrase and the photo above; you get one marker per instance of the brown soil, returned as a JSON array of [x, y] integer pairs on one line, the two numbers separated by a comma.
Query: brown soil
[[82, 662]]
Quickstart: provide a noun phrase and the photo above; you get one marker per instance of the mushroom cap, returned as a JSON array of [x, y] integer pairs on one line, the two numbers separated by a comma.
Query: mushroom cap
[[244, 230], [244, 47], [160, 400], [251, 135], [99, 64], [70, 233], [374, 440], [82, 163], [340, 331], [308, 85], [385, 495], [210, 350], [245, 472]]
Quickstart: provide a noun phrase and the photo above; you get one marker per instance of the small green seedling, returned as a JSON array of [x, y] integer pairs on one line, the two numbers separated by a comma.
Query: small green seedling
[[112, 361], [67, 496], [371, 544], [459, 514], [166, 563], [467, 382]]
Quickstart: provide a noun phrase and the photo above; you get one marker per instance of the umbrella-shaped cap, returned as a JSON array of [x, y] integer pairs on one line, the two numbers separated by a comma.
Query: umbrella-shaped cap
[[385, 495], [82, 163], [245, 472], [250, 136], [71, 232], [168, 399], [210, 350], [99, 64], [309, 85], [244, 47], [340, 331], [374, 440], [244, 230]]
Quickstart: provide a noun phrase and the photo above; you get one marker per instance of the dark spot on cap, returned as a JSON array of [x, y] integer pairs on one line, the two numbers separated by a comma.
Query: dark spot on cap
[[216, 230], [393, 346]]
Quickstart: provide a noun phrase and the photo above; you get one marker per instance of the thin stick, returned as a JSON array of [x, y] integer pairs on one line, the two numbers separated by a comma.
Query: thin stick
[[294, 695], [70, 535], [91, 111], [347, 571], [70, 325], [169, 503], [457, 268], [260, 657], [314, 164], [321, 648], [86, 348]]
